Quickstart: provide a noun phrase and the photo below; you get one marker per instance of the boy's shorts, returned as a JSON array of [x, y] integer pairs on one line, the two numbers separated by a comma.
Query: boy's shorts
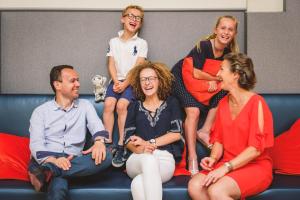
[[126, 94]]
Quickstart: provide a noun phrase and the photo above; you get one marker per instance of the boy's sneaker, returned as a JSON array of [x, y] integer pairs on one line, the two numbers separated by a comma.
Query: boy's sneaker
[[113, 149], [111, 146], [118, 160]]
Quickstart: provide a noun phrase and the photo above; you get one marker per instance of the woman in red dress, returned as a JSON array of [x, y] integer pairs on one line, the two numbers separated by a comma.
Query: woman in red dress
[[239, 164]]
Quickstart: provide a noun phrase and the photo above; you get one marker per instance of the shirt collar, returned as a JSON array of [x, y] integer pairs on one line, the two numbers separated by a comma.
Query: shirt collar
[[55, 105], [120, 33]]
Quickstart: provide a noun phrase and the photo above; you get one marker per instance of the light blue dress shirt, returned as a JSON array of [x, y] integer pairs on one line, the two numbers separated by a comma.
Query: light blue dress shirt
[[54, 130]]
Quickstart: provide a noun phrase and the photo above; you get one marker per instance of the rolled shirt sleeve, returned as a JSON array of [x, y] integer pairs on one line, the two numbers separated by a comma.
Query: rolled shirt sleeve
[[37, 136], [94, 123]]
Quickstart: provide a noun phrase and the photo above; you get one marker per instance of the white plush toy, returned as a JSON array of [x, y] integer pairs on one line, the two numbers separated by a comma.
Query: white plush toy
[[99, 87]]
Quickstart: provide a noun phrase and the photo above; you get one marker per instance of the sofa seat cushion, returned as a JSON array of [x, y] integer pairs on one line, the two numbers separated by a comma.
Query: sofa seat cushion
[[112, 185], [282, 187], [16, 189], [115, 185]]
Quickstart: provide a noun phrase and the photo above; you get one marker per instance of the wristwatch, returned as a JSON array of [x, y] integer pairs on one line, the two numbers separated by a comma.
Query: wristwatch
[[100, 139], [152, 141], [229, 166]]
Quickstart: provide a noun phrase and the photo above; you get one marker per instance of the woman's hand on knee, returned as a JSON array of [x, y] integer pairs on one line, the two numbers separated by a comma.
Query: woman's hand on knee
[[214, 176]]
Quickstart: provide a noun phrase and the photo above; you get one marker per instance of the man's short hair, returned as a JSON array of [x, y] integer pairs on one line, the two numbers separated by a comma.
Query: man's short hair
[[55, 74]]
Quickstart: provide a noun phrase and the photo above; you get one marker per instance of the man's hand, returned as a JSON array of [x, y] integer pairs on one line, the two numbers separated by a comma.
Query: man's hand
[[98, 151], [61, 162]]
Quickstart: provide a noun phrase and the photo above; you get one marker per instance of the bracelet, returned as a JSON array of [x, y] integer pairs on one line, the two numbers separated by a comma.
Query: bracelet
[[229, 166]]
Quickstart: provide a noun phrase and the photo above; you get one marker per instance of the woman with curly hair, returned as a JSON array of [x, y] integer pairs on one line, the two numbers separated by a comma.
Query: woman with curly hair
[[153, 131]]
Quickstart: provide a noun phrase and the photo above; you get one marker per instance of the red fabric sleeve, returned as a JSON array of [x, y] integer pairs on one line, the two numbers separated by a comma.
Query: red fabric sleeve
[[257, 138]]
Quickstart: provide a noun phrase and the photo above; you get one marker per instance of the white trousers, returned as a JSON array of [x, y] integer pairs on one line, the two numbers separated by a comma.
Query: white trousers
[[148, 172]]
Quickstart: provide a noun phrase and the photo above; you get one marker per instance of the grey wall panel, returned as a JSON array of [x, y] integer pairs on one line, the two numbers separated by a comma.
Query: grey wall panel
[[32, 42], [274, 45]]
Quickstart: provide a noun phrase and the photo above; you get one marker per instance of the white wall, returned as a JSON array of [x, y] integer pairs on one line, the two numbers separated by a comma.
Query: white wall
[[265, 6], [249, 5]]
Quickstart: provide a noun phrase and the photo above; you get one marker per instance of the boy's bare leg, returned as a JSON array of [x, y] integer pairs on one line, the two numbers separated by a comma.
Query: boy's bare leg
[[122, 106], [108, 115]]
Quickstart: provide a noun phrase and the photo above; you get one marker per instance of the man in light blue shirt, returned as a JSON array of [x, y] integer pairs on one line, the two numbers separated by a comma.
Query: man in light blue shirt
[[58, 134]]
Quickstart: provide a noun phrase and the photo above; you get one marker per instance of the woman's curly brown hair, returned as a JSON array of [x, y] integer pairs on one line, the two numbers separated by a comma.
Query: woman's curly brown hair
[[165, 78]]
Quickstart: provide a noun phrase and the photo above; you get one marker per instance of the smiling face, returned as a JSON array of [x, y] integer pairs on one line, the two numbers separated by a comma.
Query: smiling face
[[225, 30], [132, 20], [149, 82], [228, 79], [68, 86]]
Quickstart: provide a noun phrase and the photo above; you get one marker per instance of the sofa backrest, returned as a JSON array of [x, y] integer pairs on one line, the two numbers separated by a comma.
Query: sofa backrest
[[16, 109], [285, 109]]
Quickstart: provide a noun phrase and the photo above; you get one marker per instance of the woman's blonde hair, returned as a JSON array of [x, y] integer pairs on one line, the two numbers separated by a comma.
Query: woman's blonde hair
[[165, 78], [233, 46]]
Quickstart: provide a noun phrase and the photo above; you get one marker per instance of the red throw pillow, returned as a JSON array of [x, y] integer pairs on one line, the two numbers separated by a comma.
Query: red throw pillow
[[196, 87], [14, 157], [285, 153]]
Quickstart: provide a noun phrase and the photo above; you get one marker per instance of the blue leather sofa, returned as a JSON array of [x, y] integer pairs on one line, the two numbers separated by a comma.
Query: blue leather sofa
[[15, 112]]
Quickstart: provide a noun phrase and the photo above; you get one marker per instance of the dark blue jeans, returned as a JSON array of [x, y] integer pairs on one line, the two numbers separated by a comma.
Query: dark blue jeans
[[81, 166]]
